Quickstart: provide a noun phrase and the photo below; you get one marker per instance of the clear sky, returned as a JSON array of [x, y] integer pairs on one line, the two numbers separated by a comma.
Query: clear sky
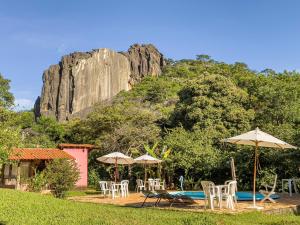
[[35, 34]]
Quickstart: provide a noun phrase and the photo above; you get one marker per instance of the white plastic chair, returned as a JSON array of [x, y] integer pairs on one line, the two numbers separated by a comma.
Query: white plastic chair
[[162, 185], [269, 190], [139, 185], [151, 184], [226, 183], [124, 188], [157, 184], [104, 188], [113, 189], [209, 192], [229, 194]]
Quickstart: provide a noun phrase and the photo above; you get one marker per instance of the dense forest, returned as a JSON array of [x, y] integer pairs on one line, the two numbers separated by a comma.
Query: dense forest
[[185, 112]]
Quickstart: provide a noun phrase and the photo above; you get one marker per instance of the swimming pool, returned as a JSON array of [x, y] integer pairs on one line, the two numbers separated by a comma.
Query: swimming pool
[[241, 196]]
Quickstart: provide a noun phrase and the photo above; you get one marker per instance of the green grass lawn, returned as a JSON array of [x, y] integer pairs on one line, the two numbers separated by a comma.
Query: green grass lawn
[[30, 208], [74, 193]]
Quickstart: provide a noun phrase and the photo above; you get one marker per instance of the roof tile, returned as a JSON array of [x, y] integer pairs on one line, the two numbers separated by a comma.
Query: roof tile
[[38, 153]]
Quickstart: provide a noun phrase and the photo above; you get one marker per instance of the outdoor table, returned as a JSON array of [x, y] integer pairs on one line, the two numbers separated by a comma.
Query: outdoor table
[[118, 186], [219, 189]]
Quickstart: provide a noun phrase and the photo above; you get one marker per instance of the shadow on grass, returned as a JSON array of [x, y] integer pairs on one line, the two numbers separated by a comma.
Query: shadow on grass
[[92, 192], [164, 199]]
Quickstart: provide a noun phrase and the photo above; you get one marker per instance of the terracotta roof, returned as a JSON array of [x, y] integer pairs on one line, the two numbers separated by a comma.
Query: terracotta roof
[[76, 146], [38, 153]]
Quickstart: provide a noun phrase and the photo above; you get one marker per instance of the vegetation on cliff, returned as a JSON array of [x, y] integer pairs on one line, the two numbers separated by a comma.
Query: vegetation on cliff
[[189, 108]]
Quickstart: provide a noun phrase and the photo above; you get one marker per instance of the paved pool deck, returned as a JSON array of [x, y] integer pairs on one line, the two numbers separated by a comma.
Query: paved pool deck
[[284, 204]]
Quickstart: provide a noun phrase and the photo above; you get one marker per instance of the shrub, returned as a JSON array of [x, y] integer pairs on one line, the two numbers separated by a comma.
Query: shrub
[[93, 178], [37, 182], [61, 175]]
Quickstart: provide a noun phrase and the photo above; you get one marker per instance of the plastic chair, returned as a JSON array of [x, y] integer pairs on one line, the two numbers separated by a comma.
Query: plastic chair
[[124, 188], [229, 194], [163, 185], [157, 184], [104, 188], [151, 184], [209, 192], [113, 189], [226, 183], [139, 185]]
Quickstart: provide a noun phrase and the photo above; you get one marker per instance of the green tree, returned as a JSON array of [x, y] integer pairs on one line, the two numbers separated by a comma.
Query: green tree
[[6, 97], [50, 127], [214, 104], [9, 131], [203, 58], [61, 175]]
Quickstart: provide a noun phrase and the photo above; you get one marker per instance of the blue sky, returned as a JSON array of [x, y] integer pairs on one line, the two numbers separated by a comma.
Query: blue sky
[[35, 34]]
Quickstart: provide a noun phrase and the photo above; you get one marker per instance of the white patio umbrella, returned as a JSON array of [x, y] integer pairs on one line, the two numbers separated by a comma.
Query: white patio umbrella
[[147, 160], [258, 138], [116, 158]]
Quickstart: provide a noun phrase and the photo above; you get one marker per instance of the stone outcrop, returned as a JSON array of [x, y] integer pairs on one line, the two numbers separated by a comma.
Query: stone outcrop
[[80, 80], [144, 60]]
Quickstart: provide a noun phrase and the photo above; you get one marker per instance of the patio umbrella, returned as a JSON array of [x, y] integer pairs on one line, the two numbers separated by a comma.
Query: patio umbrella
[[116, 158], [147, 160], [232, 166], [258, 138]]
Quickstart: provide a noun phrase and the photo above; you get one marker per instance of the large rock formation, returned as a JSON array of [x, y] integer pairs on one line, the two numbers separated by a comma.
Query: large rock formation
[[144, 60], [81, 80]]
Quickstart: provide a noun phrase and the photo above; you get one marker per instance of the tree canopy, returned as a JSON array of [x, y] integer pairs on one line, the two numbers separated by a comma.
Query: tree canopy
[[187, 109]]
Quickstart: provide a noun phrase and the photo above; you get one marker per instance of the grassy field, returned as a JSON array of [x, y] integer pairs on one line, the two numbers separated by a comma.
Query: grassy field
[[19, 208]]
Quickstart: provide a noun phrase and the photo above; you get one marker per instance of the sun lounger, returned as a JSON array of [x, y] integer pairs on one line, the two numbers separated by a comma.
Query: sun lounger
[[148, 194], [173, 197], [165, 195]]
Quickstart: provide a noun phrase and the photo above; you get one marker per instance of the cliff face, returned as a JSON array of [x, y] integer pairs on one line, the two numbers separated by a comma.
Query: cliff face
[[81, 80], [144, 60]]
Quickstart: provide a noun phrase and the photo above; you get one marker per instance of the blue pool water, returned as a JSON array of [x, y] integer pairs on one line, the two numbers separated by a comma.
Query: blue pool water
[[241, 196]]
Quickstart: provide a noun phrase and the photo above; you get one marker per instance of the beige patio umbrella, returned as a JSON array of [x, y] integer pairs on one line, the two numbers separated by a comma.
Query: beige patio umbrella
[[147, 160], [116, 158], [258, 138], [232, 166]]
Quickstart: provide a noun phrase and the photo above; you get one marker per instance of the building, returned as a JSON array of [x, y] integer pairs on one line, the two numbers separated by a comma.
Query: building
[[80, 153], [27, 161]]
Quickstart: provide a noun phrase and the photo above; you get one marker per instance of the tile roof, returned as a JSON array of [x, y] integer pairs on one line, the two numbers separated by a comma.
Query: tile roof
[[76, 146], [38, 153]]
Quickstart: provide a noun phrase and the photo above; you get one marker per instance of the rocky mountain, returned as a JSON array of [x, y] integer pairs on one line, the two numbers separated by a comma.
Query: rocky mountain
[[82, 79]]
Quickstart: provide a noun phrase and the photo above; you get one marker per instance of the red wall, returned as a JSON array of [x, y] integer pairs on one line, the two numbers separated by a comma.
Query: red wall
[[81, 158]]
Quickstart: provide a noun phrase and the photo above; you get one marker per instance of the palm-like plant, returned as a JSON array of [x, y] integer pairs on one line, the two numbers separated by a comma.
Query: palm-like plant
[[154, 151], [162, 155]]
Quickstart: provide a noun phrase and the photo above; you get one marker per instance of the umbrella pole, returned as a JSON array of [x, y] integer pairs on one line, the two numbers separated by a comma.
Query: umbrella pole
[[254, 175], [116, 170], [145, 176]]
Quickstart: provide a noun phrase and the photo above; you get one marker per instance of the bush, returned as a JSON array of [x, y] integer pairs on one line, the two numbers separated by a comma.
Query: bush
[[93, 178], [61, 175], [37, 182]]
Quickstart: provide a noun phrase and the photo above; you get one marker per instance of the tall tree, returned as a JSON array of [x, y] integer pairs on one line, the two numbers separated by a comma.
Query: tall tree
[[6, 97]]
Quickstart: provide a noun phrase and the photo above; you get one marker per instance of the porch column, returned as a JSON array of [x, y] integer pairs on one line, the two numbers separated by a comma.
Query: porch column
[[18, 187], [2, 174]]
